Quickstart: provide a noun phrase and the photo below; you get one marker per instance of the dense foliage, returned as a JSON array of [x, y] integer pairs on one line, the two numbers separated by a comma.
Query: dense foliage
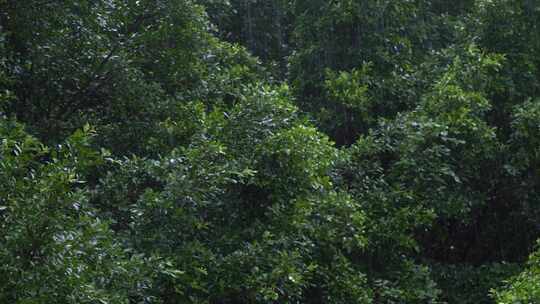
[[249, 151]]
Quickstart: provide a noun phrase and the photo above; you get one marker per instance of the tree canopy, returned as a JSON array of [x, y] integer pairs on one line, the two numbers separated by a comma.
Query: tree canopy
[[249, 151]]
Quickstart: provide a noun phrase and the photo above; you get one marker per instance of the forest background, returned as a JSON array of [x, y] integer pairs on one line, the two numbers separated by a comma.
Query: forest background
[[285, 151]]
